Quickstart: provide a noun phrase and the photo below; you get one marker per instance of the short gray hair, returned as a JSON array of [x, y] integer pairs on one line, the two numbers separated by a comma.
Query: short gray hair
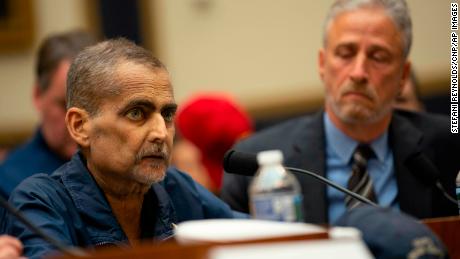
[[397, 10], [92, 75]]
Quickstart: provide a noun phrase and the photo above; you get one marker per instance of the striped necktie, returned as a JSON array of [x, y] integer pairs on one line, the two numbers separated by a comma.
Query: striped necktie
[[359, 181]]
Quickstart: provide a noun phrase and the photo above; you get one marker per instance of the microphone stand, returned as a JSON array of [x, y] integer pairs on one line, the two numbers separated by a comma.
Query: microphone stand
[[334, 185], [73, 251]]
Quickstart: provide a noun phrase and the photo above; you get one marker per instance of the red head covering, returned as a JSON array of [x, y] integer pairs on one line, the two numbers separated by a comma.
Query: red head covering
[[213, 123]]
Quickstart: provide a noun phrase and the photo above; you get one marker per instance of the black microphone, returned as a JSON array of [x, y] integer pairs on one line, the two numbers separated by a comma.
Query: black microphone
[[422, 166], [73, 251], [242, 163]]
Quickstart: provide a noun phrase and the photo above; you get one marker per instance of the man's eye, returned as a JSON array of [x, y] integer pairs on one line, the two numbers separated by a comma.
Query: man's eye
[[135, 114], [344, 53], [380, 57], [168, 115]]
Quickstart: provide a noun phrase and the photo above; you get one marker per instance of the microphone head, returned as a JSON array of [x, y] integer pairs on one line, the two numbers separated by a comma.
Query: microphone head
[[240, 163]]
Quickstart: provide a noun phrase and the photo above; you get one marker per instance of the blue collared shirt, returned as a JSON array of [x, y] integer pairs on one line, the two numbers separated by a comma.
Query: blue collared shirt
[[339, 151]]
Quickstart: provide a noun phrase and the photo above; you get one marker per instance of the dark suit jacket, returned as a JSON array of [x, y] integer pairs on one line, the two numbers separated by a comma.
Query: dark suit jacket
[[424, 151]]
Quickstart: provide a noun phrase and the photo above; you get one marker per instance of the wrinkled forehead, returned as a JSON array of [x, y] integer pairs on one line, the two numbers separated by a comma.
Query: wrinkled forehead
[[371, 22], [138, 81], [132, 76], [130, 81], [376, 11]]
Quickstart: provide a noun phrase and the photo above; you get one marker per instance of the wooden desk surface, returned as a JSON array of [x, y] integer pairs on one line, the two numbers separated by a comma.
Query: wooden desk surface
[[172, 250], [448, 230]]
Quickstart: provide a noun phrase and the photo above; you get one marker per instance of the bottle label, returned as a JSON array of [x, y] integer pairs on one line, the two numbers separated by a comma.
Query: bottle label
[[277, 206]]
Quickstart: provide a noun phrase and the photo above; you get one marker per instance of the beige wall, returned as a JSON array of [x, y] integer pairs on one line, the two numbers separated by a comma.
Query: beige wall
[[262, 51], [265, 52], [16, 69]]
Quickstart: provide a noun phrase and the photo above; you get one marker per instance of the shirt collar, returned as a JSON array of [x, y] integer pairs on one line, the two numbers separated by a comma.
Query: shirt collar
[[344, 146]]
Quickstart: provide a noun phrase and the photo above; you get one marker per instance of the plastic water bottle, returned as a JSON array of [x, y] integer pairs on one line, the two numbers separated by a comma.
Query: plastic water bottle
[[457, 190], [274, 192]]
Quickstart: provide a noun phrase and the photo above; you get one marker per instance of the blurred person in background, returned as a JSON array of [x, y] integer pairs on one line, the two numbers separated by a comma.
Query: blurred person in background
[[208, 125], [409, 97], [187, 158], [3, 153], [51, 145]]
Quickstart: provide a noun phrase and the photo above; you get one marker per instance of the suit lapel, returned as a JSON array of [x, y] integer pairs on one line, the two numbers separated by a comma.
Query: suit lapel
[[405, 142], [308, 154]]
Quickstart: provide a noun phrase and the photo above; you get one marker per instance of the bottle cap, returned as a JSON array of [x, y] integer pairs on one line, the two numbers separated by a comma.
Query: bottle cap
[[270, 157]]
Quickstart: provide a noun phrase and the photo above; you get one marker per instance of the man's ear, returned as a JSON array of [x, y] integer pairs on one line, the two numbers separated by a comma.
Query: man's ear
[[36, 97], [78, 125], [406, 75], [321, 60]]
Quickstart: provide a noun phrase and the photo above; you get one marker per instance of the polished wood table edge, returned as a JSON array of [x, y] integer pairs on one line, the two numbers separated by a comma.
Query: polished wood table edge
[[448, 231], [172, 249], [446, 228], [441, 219]]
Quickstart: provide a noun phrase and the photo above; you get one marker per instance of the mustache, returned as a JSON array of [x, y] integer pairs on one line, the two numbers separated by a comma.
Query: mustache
[[156, 150], [364, 89]]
